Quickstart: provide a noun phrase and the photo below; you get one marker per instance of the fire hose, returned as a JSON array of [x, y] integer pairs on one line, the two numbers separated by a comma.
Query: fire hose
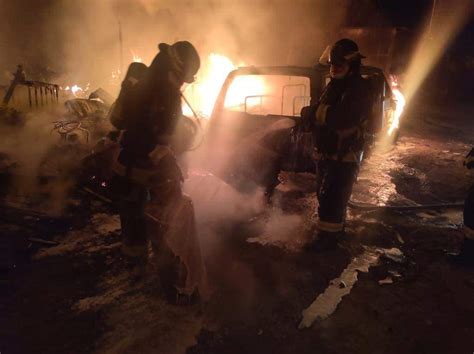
[[468, 162], [370, 207]]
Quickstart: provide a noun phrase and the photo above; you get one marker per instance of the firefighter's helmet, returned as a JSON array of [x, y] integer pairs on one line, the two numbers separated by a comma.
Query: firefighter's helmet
[[185, 59], [343, 51]]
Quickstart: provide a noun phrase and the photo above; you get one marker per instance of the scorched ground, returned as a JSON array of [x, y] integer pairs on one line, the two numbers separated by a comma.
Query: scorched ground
[[76, 297]]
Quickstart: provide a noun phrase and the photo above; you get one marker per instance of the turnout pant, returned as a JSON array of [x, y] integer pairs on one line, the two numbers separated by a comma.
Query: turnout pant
[[138, 189], [334, 181], [159, 212], [466, 254], [134, 224]]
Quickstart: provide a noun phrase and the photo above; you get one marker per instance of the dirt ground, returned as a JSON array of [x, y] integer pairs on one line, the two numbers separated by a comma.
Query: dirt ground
[[77, 297]]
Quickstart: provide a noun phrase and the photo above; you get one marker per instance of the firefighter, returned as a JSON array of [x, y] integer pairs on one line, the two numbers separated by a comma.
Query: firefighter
[[466, 255], [338, 124], [151, 200]]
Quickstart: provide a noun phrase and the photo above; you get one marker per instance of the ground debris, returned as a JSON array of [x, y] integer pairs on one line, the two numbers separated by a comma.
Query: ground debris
[[43, 242], [400, 239], [394, 254], [387, 280], [326, 303]]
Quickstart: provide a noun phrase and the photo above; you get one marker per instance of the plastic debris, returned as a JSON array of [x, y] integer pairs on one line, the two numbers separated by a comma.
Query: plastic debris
[[400, 239], [395, 274], [394, 254], [387, 280]]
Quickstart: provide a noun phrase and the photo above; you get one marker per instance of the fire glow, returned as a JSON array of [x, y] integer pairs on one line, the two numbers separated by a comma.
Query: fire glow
[[76, 90], [203, 93], [400, 105], [136, 58]]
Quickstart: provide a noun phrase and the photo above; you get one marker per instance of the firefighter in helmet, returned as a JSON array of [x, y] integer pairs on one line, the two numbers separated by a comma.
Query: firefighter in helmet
[[152, 205], [466, 256], [338, 124]]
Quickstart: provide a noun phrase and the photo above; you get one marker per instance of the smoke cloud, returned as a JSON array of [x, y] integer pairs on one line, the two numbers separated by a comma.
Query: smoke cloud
[[78, 41], [88, 43]]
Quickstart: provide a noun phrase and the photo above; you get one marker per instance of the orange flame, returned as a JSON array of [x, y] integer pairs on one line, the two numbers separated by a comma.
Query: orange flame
[[203, 93], [135, 57], [76, 90], [400, 106], [244, 86]]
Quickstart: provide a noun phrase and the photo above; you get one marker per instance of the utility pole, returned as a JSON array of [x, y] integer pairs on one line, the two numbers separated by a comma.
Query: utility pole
[[120, 47]]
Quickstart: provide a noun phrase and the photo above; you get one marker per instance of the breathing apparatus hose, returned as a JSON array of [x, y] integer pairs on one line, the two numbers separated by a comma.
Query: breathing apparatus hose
[[197, 124]]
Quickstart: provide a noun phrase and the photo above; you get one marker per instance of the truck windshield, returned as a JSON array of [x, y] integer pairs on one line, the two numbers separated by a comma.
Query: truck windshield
[[268, 94]]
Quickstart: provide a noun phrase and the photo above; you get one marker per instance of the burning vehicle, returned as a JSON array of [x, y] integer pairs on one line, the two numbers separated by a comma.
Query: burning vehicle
[[253, 131]]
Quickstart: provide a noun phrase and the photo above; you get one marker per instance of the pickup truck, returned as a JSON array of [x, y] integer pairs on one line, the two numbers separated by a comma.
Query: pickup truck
[[249, 139]]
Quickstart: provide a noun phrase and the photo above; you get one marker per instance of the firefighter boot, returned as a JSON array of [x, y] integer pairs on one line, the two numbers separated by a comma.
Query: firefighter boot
[[466, 256]]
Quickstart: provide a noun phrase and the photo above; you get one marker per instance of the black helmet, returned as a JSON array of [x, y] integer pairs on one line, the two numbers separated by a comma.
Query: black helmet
[[344, 50], [184, 57]]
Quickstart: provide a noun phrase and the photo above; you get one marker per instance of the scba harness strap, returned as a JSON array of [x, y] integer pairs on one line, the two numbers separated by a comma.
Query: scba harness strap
[[142, 176]]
